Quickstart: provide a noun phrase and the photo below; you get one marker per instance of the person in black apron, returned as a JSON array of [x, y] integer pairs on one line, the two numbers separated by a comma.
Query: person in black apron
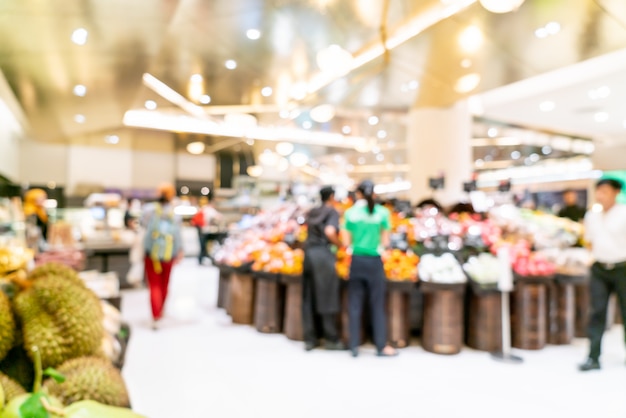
[[320, 284]]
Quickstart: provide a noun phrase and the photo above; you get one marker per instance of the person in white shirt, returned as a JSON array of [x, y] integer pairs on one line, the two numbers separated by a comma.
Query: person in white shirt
[[605, 232]]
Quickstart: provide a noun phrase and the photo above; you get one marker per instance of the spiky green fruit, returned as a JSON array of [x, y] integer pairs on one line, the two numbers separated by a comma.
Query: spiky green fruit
[[89, 378], [56, 270], [7, 326], [60, 317], [10, 387]]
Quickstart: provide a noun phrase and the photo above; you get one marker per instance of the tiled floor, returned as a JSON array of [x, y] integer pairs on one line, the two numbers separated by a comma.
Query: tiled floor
[[200, 365]]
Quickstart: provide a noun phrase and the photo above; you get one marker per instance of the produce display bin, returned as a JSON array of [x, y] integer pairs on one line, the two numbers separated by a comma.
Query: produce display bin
[[344, 320], [223, 285], [529, 312], [562, 310], [268, 304], [484, 318], [581, 308], [292, 325], [398, 312], [443, 317], [242, 294]]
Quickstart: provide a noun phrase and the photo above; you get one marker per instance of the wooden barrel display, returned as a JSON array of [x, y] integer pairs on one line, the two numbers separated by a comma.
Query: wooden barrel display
[[268, 303], [398, 318], [581, 309], [292, 325], [529, 311], [443, 317], [223, 285], [242, 297], [484, 318], [561, 310]]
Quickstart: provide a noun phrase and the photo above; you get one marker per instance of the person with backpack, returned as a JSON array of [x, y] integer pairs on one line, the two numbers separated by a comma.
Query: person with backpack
[[162, 245], [320, 283], [367, 227]]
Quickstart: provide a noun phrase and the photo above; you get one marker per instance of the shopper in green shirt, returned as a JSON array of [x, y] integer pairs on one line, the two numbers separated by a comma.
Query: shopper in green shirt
[[367, 227]]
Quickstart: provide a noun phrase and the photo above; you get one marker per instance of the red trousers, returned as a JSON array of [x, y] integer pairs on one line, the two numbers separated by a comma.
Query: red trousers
[[158, 283]]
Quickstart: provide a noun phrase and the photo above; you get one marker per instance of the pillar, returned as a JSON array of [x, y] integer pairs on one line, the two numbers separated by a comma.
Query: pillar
[[439, 141]]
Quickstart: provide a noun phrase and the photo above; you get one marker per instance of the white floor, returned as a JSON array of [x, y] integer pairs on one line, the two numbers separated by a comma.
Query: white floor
[[201, 365]]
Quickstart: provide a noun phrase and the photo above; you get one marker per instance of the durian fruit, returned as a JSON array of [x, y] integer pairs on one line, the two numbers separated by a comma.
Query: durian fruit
[[7, 326], [55, 270], [61, 317], [11, 388], [89, 378]]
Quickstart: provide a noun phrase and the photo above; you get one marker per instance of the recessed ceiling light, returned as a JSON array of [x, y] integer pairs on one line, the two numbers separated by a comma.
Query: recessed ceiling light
[[250, 141], [479, 162], [112, 139], [380, 157], [467, 83], [196, 147], [466, 63], [501, 6], [150, 105], [492, 132], [205, 99], [373, 120], [184, 190], [80, 90], [196, 78], [599, 93], [534, 157], [541, 33], [205, 191], [471, 39], [334, 60], [79, 36], [515, 155], [413, 85], [299, 90], [322, 113], [231, 64], [284, 148], [79, 118], [294, 114], [553, 28], [307, 124], [297, 159], [376, 149], [547, 106], [382, 134], [347, 129], [253, 34], [601, 117], [546, 150], [266, 91], [283, 165], [284, 114]]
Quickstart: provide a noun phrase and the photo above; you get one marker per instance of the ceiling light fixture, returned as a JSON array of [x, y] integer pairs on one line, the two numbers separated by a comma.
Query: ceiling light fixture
[[380, 157], [80, 90], [298, 90], [515, 155], [382, 134], [413, 85], [230, 64], [284, 114], [255, 171], [253, 34], [334, 60], [492, 132], [373, 120], [79, 118], [307, 124], [150, 105], [471, 39], [284, 148], [601, 117], [196, 147], [298, 159], [546, 150], [553, 28], [534, 157], [79, 36], [541, 33], [266, 91], [205, 99], [547, 106], [283, 165], [112, 139], [501, 6], [347, 129], [467, 83], [322, 113], [196, 78]]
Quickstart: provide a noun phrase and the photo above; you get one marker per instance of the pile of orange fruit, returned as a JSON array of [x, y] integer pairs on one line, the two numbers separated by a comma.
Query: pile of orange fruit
[[279, 258], [400, 265], [343, 263]]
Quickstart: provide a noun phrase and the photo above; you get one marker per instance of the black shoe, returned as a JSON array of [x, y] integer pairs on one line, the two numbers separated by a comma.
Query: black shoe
[[335, 346], [588, 365], [355, 352], [308, 346]]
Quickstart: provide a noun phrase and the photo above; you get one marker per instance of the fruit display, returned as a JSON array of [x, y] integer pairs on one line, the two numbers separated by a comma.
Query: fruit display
[[342, 265], [441, 269], [90, 378], [483, 269], [68, 256], [279, 258], [569, 261], [58, 323], [525, 262], [400, 265], [14, 258]]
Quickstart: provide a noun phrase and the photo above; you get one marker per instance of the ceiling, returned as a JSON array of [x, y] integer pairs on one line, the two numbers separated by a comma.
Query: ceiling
[[175, 39]]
